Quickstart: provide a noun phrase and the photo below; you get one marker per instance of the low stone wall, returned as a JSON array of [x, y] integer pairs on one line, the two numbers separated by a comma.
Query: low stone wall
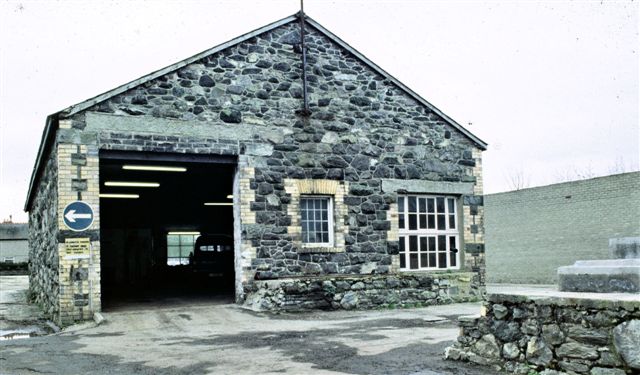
[[553, 334], [363, 291]]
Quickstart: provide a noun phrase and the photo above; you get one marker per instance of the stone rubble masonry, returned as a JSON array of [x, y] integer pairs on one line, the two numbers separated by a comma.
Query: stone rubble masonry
[[569, 335], [361, 292], [242, 102], [531, 232], [44, 283]]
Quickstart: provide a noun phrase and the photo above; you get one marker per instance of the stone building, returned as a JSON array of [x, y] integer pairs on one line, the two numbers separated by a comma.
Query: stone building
[[14, 244], [557, 225], [368, 197]]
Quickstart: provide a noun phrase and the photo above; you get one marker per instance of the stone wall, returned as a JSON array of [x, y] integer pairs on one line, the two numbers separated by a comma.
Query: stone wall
[[554, 335], [244, 102], [531, 232], [362, 292], [44, 283], [362, 129]]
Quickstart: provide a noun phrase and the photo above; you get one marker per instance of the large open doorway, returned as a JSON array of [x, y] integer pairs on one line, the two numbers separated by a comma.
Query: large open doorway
[[166, 228]]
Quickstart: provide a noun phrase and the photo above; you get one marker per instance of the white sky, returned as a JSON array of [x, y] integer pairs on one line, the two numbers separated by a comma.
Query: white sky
[[552, 86]]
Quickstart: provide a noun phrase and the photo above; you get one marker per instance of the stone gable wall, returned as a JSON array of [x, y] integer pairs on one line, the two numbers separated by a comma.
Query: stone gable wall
[[243, 101], [362, 128]]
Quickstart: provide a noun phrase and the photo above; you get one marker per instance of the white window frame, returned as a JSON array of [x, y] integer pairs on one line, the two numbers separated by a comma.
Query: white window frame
[[330, 221], [405, 233], [183, 260]]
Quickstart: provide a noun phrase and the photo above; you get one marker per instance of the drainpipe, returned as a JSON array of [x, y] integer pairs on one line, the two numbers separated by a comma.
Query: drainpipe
[[305, 109]]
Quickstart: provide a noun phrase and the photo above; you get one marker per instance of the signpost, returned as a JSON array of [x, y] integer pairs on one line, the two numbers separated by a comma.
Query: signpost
[[78, 216]]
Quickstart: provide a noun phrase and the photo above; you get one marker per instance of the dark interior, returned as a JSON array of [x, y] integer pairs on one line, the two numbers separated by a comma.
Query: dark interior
[[135, 233]]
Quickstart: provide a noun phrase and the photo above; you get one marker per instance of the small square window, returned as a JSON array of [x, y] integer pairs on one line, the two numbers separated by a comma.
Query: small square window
[[316, 213], [179, 246]]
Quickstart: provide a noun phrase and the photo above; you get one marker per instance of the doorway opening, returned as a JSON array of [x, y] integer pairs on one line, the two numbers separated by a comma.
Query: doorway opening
[[166, 230]]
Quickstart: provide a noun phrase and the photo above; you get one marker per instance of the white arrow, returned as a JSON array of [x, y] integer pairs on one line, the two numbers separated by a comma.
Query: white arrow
[[72, 216]]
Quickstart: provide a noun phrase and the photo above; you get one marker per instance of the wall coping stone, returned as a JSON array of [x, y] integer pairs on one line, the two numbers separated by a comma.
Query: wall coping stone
[[624, 301]]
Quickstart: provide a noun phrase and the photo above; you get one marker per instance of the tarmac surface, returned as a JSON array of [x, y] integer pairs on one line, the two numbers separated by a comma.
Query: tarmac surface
[[17, 317], [199, 336]]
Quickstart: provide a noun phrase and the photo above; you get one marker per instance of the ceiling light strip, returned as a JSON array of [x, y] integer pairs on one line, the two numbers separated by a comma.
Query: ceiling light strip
[[131, 184], [218, 204], [157, 168]]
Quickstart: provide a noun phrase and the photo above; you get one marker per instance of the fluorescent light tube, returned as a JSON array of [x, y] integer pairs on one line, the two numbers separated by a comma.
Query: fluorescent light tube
[[218, 204], [131, 184], [123, 196], [229, 196], [185, 233], [158, 168]]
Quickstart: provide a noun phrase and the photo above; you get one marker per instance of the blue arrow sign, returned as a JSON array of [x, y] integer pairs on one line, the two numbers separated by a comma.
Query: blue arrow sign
[[78, 216]]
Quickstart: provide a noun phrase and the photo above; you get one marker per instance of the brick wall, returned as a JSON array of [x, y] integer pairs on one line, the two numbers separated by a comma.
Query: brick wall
[[531, 232]]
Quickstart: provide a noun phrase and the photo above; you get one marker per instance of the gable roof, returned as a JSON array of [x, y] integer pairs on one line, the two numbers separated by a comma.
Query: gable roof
[[52, 120]]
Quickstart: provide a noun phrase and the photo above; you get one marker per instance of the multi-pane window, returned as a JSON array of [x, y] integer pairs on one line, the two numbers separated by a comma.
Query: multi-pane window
[[428, 232], [316, 216], [179, 246]]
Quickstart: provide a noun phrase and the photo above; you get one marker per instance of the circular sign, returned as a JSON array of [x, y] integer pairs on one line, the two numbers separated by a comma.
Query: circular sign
[[78, 216]]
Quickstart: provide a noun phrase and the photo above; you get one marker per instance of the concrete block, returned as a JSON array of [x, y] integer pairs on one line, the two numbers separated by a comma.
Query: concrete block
[[601, 276], [624, 248]]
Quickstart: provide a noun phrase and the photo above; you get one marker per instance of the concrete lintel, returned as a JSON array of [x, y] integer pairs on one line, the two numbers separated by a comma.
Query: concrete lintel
[[422, 186], [100, 122]]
